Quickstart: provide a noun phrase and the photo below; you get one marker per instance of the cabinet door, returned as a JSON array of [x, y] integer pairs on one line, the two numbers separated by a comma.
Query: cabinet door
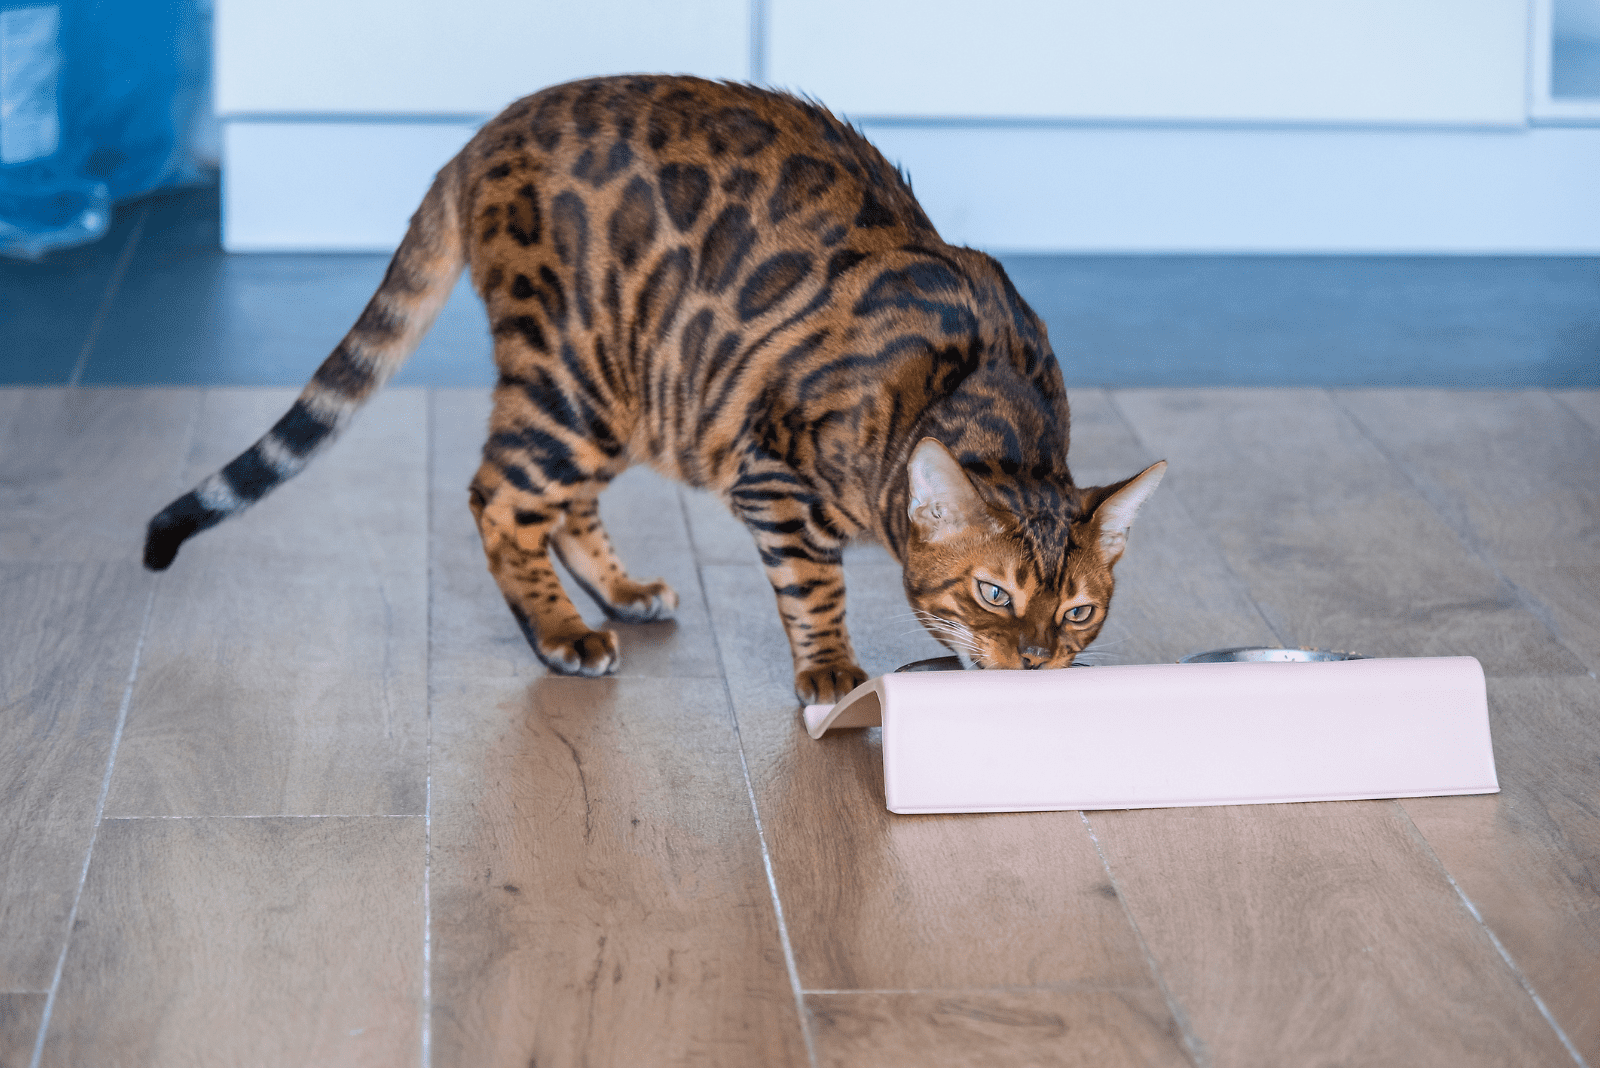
[[1325, 61], [464, 57]]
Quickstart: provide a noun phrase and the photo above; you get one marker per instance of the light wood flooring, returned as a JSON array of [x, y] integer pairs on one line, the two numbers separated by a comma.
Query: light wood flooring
[[308, 799]]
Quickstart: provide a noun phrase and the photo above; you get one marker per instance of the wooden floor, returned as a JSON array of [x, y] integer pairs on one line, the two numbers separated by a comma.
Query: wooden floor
[[307, 798]]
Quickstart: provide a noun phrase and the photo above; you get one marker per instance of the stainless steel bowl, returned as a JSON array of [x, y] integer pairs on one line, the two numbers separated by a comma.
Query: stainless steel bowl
[[943, 663], [1268, 655], [1248, 653], [938, 663]]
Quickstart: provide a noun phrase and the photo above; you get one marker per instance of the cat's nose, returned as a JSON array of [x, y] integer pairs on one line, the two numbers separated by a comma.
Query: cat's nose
[[1034, 657]]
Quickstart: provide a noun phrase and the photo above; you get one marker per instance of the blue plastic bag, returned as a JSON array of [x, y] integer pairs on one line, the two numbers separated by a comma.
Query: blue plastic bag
[[98, 100]]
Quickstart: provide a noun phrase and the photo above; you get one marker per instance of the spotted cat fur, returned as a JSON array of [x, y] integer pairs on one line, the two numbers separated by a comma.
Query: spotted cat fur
[[733, 286]]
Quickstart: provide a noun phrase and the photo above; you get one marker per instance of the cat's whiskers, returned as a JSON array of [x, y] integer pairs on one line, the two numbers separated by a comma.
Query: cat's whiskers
[[957, 638], [974, 661], [955, 643], [959, 633], [954, 635], [1100, 646], [928, 619], [1097, 653]]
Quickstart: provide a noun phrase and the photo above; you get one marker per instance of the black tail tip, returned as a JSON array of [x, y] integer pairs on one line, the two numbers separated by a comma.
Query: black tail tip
[[161, 547], [175, 524]]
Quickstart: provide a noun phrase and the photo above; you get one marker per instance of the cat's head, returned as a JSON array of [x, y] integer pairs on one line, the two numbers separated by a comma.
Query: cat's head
[[1003, 590]]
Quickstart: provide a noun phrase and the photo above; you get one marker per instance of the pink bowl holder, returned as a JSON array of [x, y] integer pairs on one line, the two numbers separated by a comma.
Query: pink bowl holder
[[1174, 735]]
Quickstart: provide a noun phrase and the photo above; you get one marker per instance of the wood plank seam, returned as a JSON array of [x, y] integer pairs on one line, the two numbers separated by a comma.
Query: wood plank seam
[[1057, 988], [1193, 1046], [100, 807], [1535, 607], [187, 453], [1527, 601], [772, 888], [1561, 395], [430, 419], [1505, 955], [1177, 488], [761, 832], [275, 816]]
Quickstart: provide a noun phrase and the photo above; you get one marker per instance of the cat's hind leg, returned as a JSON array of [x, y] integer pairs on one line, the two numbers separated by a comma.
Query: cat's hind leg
[[580, 542], [516, 516]]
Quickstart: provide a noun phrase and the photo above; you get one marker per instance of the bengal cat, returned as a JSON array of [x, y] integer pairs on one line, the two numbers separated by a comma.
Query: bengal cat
[[735, 287]]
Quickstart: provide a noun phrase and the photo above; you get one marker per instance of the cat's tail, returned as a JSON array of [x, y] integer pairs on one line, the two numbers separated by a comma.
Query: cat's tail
[[419, 280]]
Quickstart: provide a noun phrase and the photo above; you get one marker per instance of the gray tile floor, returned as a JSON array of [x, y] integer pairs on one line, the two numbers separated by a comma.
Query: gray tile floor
[[307, 798]]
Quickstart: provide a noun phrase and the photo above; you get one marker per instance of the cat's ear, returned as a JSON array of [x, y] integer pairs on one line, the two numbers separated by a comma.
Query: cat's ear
[[943, 502], [1119, 504]]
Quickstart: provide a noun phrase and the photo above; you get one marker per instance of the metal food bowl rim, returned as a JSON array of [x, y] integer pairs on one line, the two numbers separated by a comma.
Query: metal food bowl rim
[[923, 665], [946, 663], [1219, 656], [1210, 656]]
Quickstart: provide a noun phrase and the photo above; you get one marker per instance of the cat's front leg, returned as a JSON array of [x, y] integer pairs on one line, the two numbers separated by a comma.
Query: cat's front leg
[[803, 565], [810, 596]]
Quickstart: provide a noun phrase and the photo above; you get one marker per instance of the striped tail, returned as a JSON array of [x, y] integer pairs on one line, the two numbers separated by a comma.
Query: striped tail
[[419, 280]]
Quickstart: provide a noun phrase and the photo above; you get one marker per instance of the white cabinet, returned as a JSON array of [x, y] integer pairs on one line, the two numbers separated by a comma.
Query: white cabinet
[[1283, 61], [1043, 125], [465, 57], [336, 113]]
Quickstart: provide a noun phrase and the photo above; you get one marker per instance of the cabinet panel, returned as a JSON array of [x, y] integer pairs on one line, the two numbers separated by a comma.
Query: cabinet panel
[[352, 186], [471, 57], [1269, 191], [328, 187], [1335, 61]]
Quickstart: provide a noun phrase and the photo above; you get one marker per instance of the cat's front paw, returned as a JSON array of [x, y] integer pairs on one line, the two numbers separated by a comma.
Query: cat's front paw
[[590, 654], [572, 650], [827, 685], [642, 602]]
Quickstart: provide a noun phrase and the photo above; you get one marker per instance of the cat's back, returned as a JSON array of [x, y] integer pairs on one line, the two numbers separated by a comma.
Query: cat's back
[[712, 262], [701, 146], [629, 188]]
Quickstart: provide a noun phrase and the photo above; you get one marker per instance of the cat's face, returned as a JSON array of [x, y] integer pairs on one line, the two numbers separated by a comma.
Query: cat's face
[[1007, 591]]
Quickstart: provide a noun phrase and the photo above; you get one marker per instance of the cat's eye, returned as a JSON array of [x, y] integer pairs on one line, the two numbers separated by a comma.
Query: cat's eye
[[993, 594], [1081, 613]]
